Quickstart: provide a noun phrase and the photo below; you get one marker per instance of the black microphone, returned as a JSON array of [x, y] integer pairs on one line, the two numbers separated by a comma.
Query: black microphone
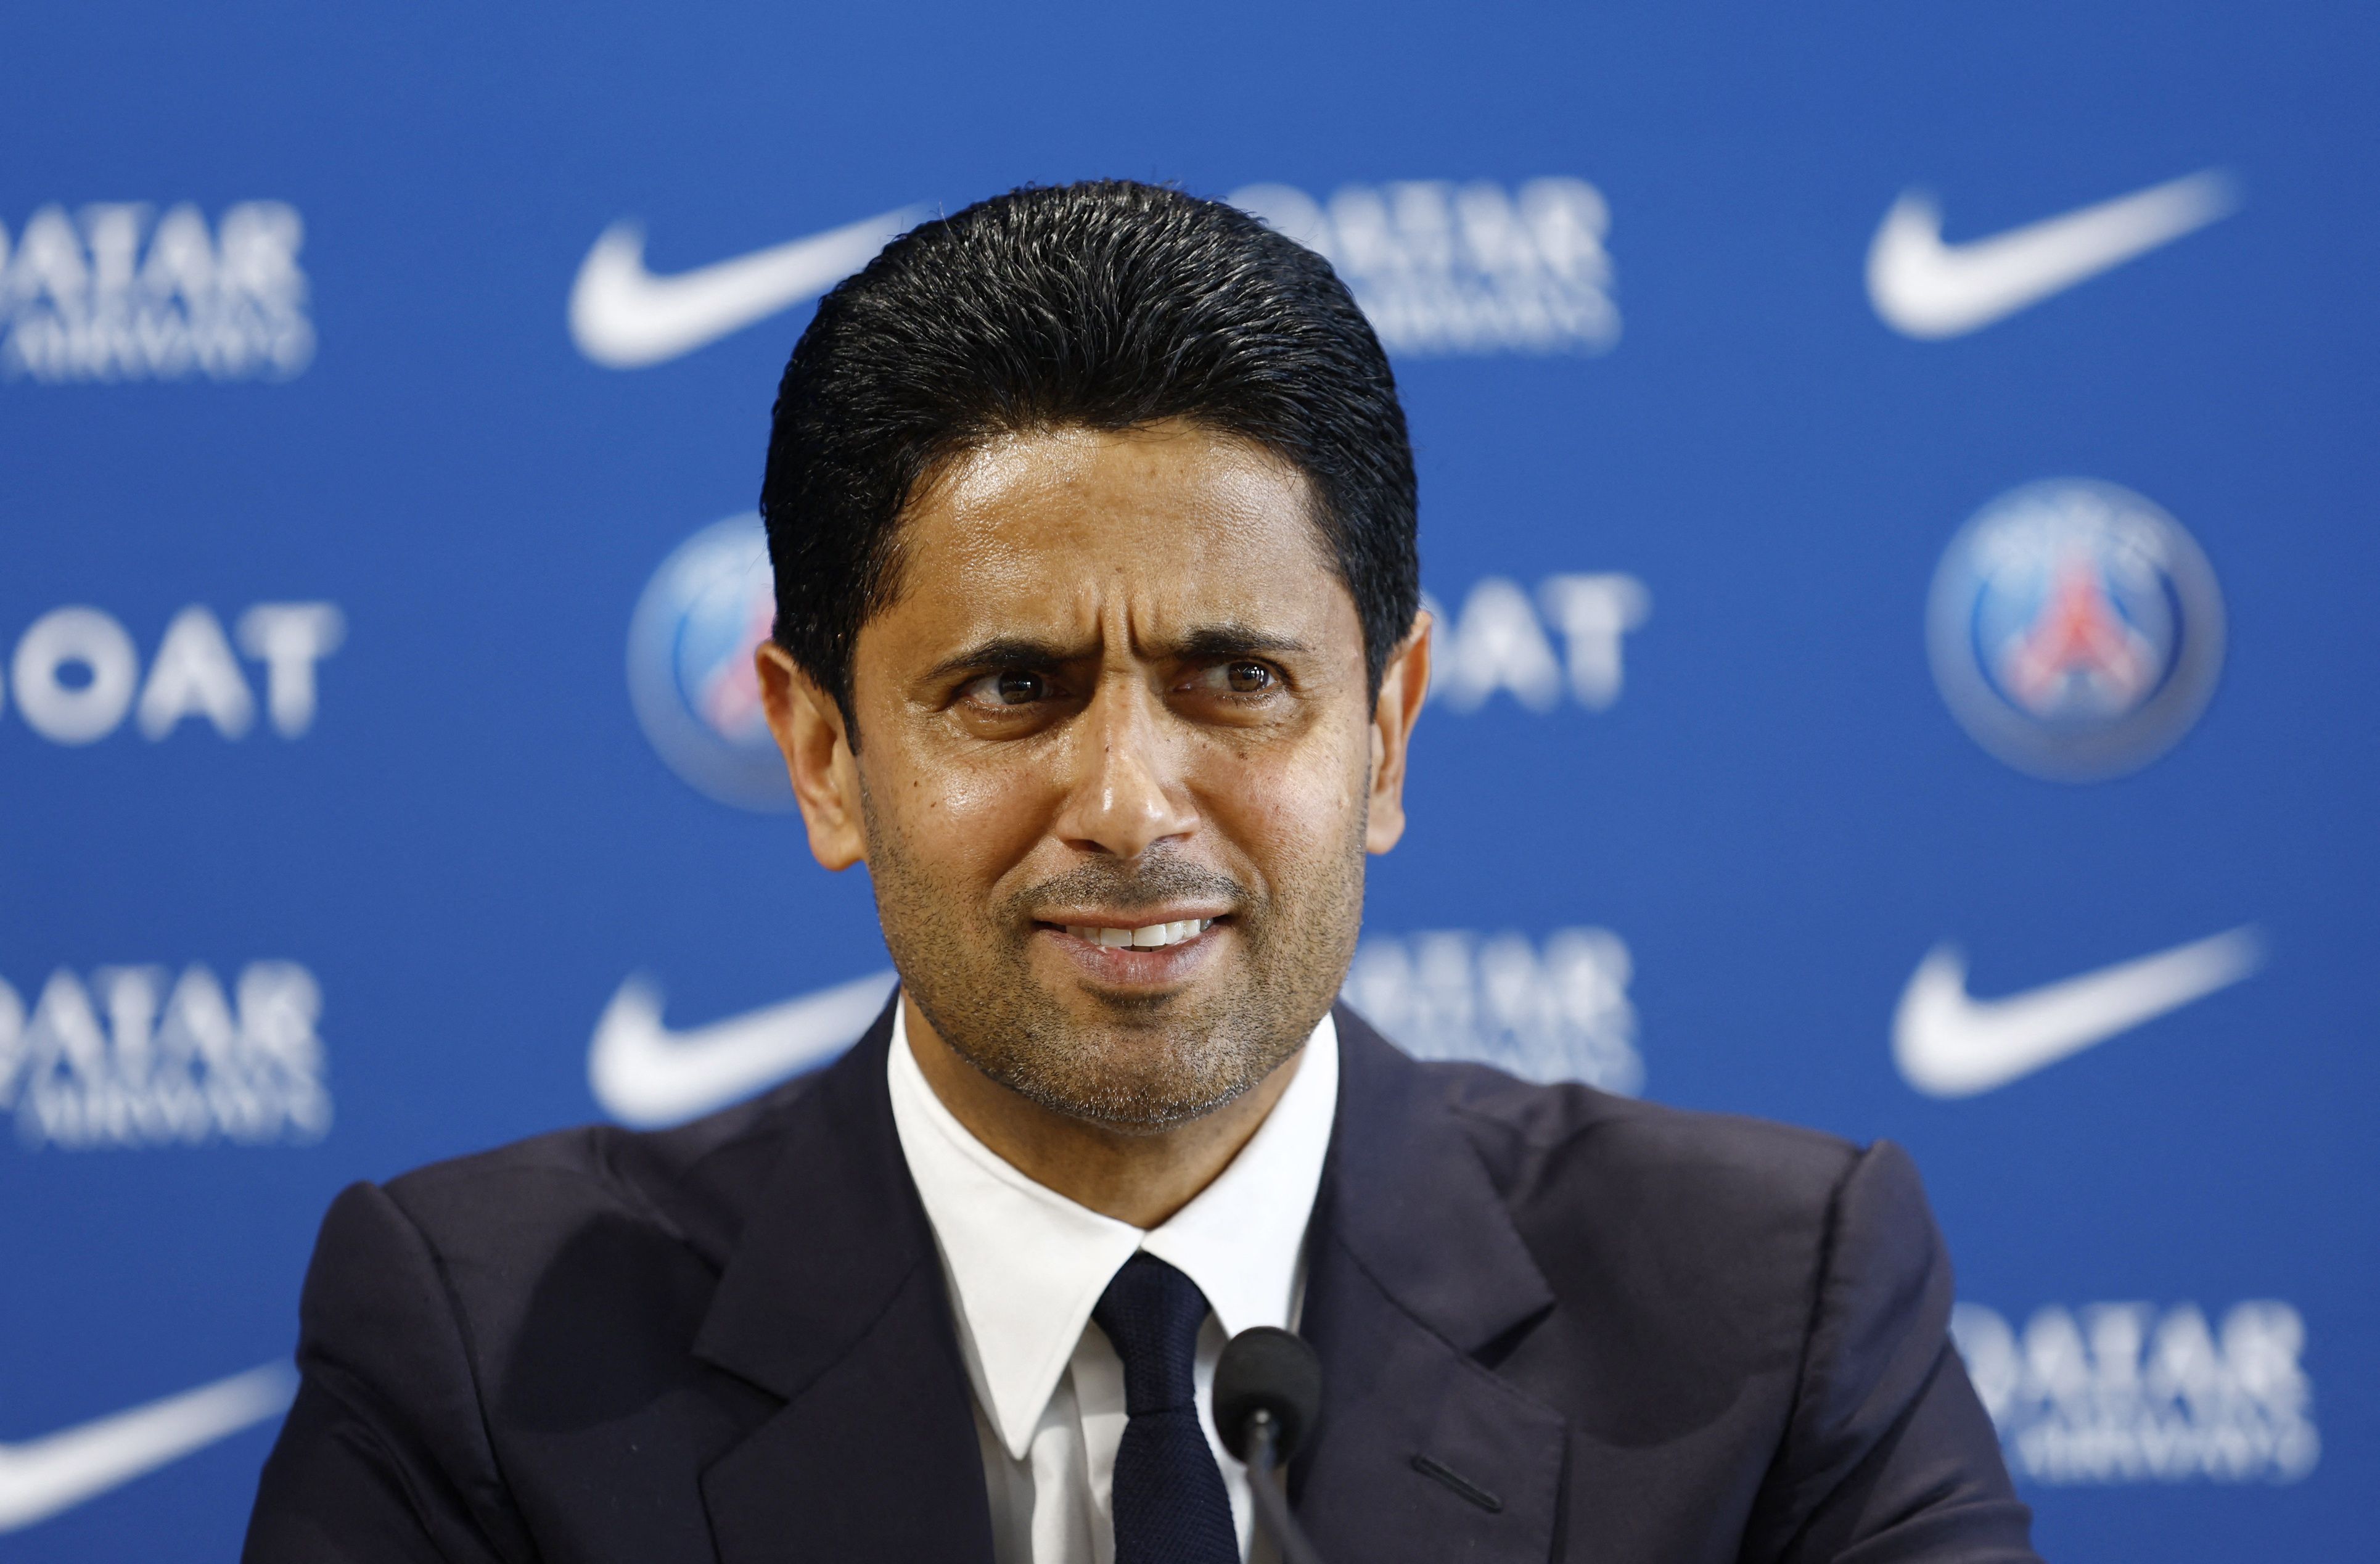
[[1267, 1397]]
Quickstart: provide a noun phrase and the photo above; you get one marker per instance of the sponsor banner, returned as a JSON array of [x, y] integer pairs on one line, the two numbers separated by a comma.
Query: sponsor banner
[[1452, 269], [622, 317], [647, 1076], [1503, 641], [122, 290], [75, 674], [1550, 1009], [2005, 792], [1440, 268], [690, 675], [1950, 1044], [1928, 289], [40, 1477], [2076, 629], [135, 1056], [2102, 1394]]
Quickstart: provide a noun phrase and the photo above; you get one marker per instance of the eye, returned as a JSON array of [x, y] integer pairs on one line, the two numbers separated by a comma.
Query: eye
[[1242, 677], [1010, 686]]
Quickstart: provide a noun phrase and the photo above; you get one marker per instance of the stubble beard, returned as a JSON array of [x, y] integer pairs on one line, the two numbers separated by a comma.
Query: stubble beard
[[1128, 1064]]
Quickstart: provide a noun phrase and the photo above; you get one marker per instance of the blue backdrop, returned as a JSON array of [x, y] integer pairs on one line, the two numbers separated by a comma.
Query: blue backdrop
[[1896, 482]]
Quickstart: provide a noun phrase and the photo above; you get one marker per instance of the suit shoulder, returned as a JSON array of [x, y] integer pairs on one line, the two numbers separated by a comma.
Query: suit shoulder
[[1542, 1141], [694, 1183], [1708, 1234]]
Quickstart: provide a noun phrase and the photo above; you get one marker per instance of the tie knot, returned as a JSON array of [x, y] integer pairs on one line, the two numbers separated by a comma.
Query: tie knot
[[1151, 1314]]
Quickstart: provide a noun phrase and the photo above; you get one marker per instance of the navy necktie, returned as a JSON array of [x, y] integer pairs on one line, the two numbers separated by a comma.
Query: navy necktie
[[1170, 1503]]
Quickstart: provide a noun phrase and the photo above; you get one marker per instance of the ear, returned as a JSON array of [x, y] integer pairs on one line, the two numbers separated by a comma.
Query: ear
[[1403, 684], [809, 729]]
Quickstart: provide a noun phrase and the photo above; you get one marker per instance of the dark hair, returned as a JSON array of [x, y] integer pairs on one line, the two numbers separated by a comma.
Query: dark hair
[[1105, 305]]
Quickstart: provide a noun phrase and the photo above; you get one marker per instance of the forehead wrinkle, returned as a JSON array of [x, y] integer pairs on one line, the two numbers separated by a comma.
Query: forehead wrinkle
[[1159, 626], [1077, 472], [1027, 524]]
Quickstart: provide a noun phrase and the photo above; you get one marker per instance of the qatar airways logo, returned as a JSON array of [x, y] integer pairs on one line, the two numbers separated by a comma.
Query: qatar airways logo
[[2114, 1393], [138, 1056], [116, 290], [76, 676], [1556, 1009], [1447, 269], [1561, 644]]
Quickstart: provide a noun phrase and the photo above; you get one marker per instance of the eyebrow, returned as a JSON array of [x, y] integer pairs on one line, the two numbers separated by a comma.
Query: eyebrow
[[1004, 652], [1204, 642], [1199, 643]]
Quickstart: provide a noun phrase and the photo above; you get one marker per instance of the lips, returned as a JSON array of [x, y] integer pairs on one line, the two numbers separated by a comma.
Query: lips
[[1155, 956]]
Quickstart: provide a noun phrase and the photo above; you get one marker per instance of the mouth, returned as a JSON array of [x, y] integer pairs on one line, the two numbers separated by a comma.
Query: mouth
[[1159, 953], [1148, 936]]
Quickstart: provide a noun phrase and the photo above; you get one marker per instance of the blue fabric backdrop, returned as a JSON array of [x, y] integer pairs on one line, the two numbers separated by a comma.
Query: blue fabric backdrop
[[1897, 485]]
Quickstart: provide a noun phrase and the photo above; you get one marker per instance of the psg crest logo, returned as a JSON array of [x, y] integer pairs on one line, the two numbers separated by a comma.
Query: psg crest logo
[[690, 646], [2076, 629]]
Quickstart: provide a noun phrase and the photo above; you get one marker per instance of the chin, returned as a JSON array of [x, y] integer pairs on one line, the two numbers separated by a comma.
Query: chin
[[1127, 1083]]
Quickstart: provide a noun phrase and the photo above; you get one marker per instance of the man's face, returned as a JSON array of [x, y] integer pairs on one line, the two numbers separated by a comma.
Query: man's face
[[1116, 766]]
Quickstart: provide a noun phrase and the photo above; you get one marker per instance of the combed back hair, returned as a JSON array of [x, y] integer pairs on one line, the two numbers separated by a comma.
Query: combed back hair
[[1107, 305]]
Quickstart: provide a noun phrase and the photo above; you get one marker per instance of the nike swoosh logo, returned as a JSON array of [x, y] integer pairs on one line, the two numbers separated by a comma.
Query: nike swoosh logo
[[40, 1477], [1925, 289], [623, 317], [1950, 1046], [647, 1076]]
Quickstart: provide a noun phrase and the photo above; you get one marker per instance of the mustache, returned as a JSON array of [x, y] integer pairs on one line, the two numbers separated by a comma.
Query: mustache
[[1107, 884]]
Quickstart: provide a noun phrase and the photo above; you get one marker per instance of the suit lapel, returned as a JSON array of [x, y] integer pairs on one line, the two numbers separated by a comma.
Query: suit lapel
[[834, 1301], [1414, 1267]]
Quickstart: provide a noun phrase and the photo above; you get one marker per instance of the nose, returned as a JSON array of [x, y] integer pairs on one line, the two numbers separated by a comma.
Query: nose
[[1128, 795]]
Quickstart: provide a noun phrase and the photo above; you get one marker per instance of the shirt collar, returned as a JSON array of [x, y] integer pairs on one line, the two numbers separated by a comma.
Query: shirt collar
[[1026, 1265]]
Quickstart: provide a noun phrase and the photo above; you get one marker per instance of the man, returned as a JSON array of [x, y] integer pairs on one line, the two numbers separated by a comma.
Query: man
[[1092, 517]]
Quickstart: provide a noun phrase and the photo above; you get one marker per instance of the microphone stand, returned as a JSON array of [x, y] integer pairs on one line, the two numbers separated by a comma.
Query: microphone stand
[[1269, 1489]]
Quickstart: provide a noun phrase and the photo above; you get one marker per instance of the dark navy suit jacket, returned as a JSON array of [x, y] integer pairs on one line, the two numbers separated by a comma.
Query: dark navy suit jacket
[[1553, 1324]]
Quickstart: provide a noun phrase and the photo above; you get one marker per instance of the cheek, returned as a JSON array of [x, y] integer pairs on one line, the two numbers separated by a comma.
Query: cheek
[[1288, 808], [973, 821]]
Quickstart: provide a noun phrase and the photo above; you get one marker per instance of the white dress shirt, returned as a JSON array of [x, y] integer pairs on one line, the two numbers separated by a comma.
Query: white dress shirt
[[1025, 1266]]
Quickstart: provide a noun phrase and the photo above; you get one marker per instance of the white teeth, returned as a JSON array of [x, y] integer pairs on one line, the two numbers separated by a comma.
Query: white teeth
[[1153, 936]]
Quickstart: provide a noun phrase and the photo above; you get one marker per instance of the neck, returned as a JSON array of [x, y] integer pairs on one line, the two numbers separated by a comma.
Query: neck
[[1140, 1177]]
